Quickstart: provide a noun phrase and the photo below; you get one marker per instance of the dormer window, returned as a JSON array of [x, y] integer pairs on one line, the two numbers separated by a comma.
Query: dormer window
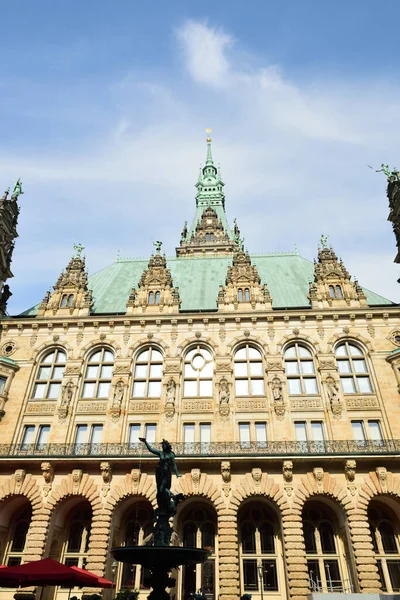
[[150, 299], [157, 298], [335, 292]]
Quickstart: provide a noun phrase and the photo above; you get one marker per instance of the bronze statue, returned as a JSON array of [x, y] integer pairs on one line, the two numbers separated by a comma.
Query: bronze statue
[[17, 191]]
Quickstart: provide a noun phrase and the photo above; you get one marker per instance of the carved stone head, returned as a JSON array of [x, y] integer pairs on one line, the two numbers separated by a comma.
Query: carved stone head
[[318, 474], [256, 473], [350, 470], [287, 471], [47, 472], [226, 471], [106, 471], [135, 473], [195, 474]]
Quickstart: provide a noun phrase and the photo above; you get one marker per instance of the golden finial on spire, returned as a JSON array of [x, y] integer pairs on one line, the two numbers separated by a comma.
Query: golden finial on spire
[[208, 131]]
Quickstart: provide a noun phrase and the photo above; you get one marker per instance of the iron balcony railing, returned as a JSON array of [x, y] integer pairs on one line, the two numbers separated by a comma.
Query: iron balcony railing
[[273, 449]]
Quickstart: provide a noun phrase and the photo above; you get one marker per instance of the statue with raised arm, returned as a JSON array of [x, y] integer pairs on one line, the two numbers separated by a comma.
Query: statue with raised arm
[[391, 174], [17, 191], [157, 245], [167, 502]]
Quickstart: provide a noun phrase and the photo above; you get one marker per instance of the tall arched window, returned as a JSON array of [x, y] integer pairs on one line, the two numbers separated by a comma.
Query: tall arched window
[[150, 299], [198, 375], [249, 375], [260, 549], [199, 531], [17, 537], [148, 374], [247, 295], [353, 369], [326, 561], [138, 526], [385, 533], [240, 295], [157, 298], [300, 370], [49, 375], [76, 544], [98, 374]]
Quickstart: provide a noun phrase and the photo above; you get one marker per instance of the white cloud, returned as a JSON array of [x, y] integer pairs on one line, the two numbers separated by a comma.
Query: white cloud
[[293, 156]]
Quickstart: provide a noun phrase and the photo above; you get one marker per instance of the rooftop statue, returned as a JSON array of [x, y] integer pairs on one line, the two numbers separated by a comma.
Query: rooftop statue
[[17, 191], [324, 241], [78, 250], [157, 245], [391, 174]]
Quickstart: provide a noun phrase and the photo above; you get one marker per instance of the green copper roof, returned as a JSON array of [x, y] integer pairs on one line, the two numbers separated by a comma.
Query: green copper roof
[[287, 276]]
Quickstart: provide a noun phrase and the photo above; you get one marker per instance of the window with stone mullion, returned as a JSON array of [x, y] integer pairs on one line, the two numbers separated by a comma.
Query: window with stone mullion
[[300, 371], [49, 376], [249, 375], [98, 374], [258, 547], [148, 374], [353, 369], [386, 542]]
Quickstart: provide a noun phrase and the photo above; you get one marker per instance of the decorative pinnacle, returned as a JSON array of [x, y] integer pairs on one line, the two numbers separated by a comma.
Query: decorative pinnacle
[[78, 249]]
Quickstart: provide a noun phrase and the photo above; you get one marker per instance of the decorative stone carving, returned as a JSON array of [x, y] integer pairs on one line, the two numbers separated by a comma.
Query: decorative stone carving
[[382, 477], [48, 475], [224, 397], [356, 403], [243, 286], [256, 474], [318, 473], [19, 479], [106, 473], [279, 403], [170, 396], [226, 477], [155, 291], [76, 480], [67, 395], [333, 393], [350, 474], [135, 474], [287, 472], [195, 475], [118, 397], [72, 370], [332, 286], [71, 295]]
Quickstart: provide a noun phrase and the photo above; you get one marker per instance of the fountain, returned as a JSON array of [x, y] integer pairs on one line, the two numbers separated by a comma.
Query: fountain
[[157, 554]]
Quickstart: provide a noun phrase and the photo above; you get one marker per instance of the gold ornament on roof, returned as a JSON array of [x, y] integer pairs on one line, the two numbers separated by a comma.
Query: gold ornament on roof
[[208, 131]]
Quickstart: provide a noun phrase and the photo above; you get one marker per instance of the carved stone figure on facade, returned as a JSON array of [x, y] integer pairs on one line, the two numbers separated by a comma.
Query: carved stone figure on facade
[[350, 474], [279, 403], [48, 476], [118, 394], [224, 398], [170, 396], [195, 474], [135, 475], [67, 395], [382, 477], [256, 474], [226, 476], [106, 474], [19, 479], [318, 473], [333, 392], [76, 480], [4, 297], [287, 472]]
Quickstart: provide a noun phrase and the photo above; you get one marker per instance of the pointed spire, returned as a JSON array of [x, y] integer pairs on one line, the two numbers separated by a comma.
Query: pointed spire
[[5, 195], [209, 159]]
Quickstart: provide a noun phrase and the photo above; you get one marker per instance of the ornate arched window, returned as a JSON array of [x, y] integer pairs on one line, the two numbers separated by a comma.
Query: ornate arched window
[[70, 300], [199, 531], [300, 370], [157, 298], [260, 550], [249, 373], [386, 540], [148, 374], [240, 295], [353, 369], [198, 374], [49, 375], [76, 543], [150, 299], [247, 295], [17, 537], [138, 527], [326, 561], [98, 374], [64, 300]]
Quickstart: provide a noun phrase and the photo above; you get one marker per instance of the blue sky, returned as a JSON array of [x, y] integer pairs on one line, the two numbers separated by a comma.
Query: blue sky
[[103, 107]]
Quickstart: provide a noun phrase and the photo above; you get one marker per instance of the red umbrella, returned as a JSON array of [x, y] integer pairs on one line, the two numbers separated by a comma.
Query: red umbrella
[[49, 572]]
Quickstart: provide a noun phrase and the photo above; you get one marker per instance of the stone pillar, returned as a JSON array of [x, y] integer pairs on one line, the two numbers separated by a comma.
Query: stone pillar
[[363, 550], [99, 539], [37, 534], [295, 550], [228, 551]]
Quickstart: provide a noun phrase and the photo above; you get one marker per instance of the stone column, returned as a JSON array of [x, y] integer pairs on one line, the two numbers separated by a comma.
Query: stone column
[[99, 541], [363, 550], [295, 550], [228, 551], [37, 533]]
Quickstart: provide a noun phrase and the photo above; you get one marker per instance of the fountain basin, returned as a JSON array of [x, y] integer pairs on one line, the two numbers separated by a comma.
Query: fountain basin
[[166, 557]]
